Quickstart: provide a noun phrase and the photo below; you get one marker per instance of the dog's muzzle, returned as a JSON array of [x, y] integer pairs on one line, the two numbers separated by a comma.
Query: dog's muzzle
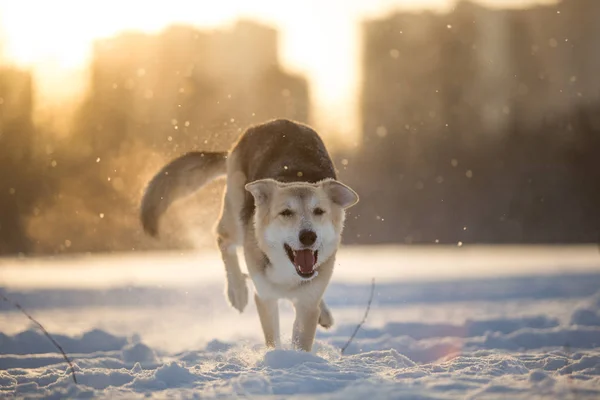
[[304, 260]]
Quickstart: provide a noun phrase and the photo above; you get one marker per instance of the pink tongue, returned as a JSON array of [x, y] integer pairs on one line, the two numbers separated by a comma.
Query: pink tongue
[[305, 260]]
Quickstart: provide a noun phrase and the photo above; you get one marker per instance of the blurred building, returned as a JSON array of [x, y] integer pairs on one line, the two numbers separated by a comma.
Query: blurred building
[[468, 116], [16, 112], [479, 68], [17, 188], [555, 59], [187, 87]]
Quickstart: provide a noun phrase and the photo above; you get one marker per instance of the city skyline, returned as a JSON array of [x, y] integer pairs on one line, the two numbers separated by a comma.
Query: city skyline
[[318, 40]]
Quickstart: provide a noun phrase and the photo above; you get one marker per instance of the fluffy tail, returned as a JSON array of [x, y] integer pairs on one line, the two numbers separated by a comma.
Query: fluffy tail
[[179, 178]]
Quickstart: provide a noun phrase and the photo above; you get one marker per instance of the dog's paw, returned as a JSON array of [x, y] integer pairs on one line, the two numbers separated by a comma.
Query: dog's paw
[[326, 319], [237, 292]]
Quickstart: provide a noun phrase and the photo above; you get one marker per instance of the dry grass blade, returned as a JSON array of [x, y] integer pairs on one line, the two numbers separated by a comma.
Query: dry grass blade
[[58, 346], [364, 317]]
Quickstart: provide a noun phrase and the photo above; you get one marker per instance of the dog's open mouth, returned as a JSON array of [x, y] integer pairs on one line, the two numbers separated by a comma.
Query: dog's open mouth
[[303, 260]]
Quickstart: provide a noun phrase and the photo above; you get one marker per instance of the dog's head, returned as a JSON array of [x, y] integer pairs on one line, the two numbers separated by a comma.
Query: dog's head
[[299, 225]]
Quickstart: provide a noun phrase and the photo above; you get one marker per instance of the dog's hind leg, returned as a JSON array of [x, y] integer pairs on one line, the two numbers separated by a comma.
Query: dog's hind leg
[[305, 325], [268, 312], [228, 238], [325, 318]]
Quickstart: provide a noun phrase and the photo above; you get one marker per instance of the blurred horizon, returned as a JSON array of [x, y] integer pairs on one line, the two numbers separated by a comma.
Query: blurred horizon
[[457, 122]]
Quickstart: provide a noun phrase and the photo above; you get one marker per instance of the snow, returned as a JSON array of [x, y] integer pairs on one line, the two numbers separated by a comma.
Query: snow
[[453, 330]]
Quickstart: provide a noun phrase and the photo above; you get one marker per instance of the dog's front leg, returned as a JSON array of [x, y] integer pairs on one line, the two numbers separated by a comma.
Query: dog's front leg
[[325, 318], [268, 312], [227, 239], [236, 288], [305, 326]]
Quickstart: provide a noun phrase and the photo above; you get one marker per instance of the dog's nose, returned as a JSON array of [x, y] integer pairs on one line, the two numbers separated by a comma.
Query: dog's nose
[[308, 238]]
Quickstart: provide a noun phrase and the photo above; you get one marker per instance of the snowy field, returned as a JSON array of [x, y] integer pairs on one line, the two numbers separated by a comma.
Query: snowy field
[[468, 322]]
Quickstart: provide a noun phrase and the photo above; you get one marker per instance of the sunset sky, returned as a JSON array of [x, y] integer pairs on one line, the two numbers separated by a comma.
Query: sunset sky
[[319, 38]]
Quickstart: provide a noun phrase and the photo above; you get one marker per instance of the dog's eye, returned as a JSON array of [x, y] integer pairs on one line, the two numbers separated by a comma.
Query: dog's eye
[[286, 213], [318, 211]]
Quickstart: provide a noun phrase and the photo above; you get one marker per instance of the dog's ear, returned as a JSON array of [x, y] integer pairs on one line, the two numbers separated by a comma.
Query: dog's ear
[[261, 190], [339, 193]]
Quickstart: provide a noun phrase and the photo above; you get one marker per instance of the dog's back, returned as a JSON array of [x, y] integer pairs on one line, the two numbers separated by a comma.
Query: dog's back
[[285, 151]]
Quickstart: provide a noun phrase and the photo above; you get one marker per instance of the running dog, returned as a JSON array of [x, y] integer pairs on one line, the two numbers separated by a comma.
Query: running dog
[[283, 204]]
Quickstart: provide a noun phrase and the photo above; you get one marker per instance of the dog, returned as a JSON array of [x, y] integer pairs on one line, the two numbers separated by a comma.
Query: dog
[[283, 204]]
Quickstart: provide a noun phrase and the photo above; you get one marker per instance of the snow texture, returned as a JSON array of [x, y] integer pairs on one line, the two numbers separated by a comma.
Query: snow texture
[[519, 337]]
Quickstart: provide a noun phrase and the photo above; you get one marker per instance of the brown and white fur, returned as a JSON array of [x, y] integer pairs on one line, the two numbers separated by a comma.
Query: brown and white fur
[[284, 205]]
